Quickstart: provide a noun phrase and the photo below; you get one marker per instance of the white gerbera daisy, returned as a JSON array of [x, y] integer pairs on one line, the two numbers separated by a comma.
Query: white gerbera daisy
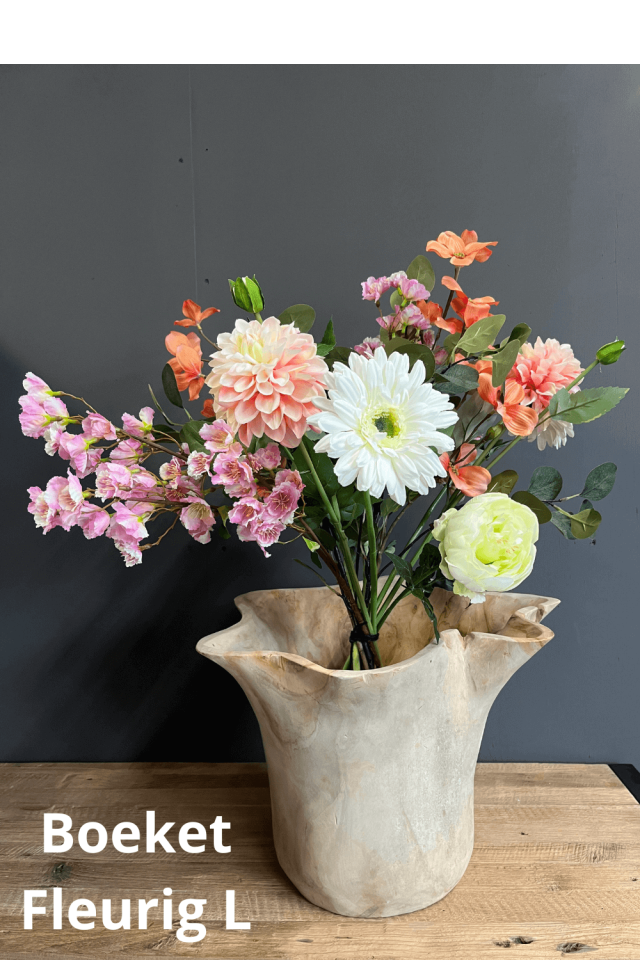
[[381, 422]]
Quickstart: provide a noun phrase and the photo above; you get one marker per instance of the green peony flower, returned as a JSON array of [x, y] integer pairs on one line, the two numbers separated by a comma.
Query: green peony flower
[[487, 545]]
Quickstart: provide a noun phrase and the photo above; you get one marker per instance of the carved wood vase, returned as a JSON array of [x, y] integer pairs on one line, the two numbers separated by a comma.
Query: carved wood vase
[[371, 773]]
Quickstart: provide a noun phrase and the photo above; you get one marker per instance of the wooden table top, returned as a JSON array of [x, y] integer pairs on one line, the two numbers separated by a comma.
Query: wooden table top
[[556, 865]]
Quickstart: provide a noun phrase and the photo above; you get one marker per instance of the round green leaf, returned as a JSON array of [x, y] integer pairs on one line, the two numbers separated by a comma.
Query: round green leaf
[[420, 269], [585, 523], [503, 482], [300, 314], [540, 509], [600, 482], [546, 483]]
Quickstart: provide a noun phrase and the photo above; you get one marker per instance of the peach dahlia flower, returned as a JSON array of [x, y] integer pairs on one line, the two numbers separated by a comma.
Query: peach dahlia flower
[[264, 379], [542, 369]]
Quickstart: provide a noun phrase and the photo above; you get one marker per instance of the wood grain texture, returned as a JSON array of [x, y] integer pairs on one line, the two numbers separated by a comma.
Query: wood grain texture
[[556, 861]]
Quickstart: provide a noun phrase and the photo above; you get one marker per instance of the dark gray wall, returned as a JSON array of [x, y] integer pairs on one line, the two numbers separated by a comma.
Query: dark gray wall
[[126, 189]]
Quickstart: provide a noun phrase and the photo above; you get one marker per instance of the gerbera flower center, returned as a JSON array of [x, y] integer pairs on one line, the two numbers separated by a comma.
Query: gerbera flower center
[[386, 422]]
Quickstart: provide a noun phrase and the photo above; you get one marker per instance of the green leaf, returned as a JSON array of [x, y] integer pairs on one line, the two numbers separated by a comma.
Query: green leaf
[[401, 567], [481, 335], [415, 351], [328, 341], [546, 483], [223, 533], [395, 299], [338, 355], [388, 506], [586, 405], [450, 344], [170, 386], [463, 377], [313, 545], [159, 408], [600, 481], [540, 509], [585, 523], [255, 294], [420, 269], [503, 361], [563, 523], [300, 314], [610, 352], [520, 333], [503, 482], [190, 434]]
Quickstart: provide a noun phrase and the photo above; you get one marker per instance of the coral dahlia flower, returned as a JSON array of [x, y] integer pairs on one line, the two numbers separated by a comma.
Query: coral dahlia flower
[[265, 378], [381, 422], [544, 369], [187, 361], [461, 250]]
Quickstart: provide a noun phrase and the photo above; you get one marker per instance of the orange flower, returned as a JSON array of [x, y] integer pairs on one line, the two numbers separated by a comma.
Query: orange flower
[[471, 310], [207, 410], [187, 362], [517, 418], [194, 315], [471, 480], [461, 250], [433, 313]]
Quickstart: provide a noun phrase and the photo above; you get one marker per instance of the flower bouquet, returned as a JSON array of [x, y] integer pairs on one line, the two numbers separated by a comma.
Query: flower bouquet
[[332, 445]]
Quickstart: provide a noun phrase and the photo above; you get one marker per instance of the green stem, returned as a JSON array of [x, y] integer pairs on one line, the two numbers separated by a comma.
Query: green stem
[[373, 560], [448, 304], [316, 480], [506, 450]]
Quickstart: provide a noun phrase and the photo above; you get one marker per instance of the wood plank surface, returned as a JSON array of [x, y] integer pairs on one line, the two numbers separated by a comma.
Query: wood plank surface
[[555, 869]]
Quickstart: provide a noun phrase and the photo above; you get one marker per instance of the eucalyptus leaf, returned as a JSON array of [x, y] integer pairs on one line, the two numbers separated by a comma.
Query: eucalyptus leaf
[[395, 299], [301, 315], [540, 509], [563, 523], [503, 482], [450, 344], [170, 386], [415, 351], [462, 376], [520, 333], [546, 483], [420, 269], [481, 334], [600, 481], [586, 405], [585, 523]]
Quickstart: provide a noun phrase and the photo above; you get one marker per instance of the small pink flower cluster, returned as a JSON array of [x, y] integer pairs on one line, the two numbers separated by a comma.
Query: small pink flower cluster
[[262, 512], [373, 289], [409, 315]]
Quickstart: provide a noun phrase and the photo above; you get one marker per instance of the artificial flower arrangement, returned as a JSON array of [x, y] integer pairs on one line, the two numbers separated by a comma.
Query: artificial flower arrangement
[[333, 444]]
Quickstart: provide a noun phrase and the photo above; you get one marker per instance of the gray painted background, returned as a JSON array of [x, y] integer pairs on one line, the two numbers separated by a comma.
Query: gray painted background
[[127, 189]]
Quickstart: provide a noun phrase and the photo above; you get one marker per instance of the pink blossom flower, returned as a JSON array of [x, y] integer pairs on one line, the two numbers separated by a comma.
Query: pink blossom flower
[[37, 414], [281, 504], [428, 337], [171, 471], [441, 355], [373, 289], [544, 369], [139, 428], [58, 505], [197, 519], [265, 531], [77, 448], [218, 436], [368, 345], [127, 452], [396, 278], [144, 486], [198, 463], [112, 480], [234, 474], [245, 509], [268, 457], [52, 436], [126, 529], [96, 426], [36, 387], [93, 520], [181, 489], [264, 378], [289, 476], [409, 316], [413, 290]]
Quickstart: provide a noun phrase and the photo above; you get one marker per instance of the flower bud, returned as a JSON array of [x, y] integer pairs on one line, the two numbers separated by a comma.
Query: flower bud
[[495, 431], [610, 352], [247, 294]]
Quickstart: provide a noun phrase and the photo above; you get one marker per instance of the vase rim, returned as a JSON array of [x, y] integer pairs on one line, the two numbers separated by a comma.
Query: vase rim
[[204, 646]]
